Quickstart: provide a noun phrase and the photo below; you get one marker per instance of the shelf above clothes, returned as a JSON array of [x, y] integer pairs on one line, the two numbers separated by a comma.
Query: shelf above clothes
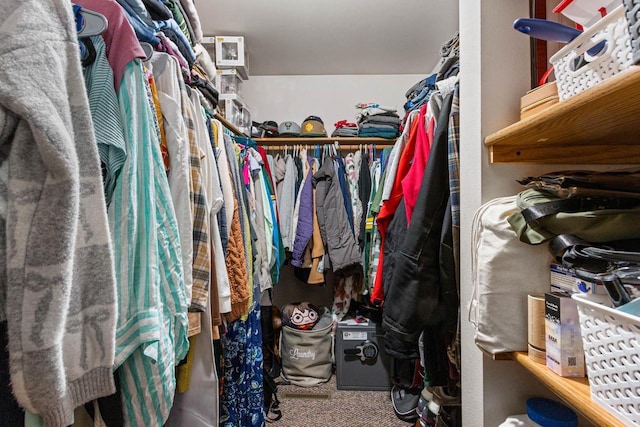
[[229, 125], [345, 143], [324, 140]]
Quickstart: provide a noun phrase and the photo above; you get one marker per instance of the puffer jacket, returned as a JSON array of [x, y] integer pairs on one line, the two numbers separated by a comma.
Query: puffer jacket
[[335, 230]]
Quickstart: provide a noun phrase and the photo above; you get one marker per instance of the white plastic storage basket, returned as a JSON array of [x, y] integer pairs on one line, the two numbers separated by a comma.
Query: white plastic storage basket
[[611, 341], [615, 57]]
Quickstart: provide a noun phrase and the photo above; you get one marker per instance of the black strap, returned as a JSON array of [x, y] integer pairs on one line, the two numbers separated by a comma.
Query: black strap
[[559, 244], [274, 413], [576, 204]]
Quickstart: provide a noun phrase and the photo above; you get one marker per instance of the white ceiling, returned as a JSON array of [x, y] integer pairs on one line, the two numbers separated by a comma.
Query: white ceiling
[[316, 37]]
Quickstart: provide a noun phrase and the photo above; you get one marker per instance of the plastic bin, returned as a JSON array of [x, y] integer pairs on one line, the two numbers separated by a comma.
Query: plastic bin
[[611, 342], [577, 71], [632, 8]]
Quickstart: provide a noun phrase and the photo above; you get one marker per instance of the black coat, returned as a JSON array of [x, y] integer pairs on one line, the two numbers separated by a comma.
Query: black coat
[[422, 291]]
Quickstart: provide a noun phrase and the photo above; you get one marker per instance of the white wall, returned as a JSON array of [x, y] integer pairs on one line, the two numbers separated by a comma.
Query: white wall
[[332, 98], [494, 71]]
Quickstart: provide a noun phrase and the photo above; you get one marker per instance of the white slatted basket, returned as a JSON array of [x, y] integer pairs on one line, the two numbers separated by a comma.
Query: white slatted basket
[[611, 342], [615, 57]]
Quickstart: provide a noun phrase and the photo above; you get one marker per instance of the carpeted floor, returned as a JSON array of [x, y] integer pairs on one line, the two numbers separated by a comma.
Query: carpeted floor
[[325, 406]]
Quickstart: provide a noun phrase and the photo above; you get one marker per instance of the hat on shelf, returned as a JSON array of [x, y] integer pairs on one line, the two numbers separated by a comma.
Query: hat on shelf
[[289, 128], [313, 126], [270, 128]]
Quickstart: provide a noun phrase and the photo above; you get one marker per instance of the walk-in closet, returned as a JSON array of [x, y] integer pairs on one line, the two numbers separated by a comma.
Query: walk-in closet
[[242, 213]]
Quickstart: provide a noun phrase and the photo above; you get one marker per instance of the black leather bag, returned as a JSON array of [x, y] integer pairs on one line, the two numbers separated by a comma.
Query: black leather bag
[[580, 183], [614, 264]]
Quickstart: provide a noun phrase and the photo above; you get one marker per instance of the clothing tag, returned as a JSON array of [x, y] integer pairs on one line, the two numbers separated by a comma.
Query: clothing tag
[[320, 268]]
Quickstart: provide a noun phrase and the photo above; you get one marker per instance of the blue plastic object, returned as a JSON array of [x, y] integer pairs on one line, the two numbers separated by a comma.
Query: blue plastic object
[[551, 31], [549, 413], [546, 30]]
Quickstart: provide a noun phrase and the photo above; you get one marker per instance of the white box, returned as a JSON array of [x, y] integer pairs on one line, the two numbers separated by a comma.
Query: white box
[[236, 112], [228, 81], [230, 51], [563, 279], [565, 353]]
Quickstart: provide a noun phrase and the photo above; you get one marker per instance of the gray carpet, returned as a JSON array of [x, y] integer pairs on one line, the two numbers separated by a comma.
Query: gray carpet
[[325, 406]]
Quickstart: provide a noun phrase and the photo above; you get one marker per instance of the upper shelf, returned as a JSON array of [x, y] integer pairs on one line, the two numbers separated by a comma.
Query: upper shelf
[[229, 125], [309, 140], [600, 125]]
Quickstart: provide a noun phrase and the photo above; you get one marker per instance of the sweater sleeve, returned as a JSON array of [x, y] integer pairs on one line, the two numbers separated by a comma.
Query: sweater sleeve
[[60, 285]]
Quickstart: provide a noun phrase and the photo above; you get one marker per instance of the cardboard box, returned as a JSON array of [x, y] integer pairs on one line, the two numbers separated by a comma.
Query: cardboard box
[[538, 99], [563, 279], [565, 354]]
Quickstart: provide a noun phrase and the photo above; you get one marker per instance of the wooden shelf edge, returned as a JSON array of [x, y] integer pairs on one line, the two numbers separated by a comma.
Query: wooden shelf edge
[[627, 78], [229, 125], [597, 126], [323, 140], [567, 154], [574, 391]]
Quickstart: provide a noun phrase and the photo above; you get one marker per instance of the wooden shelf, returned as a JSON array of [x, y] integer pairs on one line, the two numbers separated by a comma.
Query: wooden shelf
[[599, 126], [574, 391], [229, 125], [340, 140]]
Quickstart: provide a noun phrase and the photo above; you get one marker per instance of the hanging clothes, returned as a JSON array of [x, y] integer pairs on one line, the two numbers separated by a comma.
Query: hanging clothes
[[167, 75], [242, 402], [332, 218], [364, 195], [412, 180], [122, 44], [105, 114], [58, 290], [420, 294], [287, 202], [152, 329], [389, 206], [304, 229]]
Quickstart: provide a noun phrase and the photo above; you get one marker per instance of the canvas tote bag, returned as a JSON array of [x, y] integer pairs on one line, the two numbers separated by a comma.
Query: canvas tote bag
[[307, 356], [504, 271]]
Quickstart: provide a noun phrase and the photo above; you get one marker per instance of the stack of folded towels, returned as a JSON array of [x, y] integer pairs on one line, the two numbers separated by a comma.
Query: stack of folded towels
[[375, 120], [345, 129]]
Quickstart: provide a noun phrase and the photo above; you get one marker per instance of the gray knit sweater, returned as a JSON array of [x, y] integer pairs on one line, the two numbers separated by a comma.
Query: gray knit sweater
[[57, 286]]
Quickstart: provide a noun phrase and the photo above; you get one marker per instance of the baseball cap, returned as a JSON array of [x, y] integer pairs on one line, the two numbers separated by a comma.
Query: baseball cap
[[270, 128], [313, 126], [289, 128]]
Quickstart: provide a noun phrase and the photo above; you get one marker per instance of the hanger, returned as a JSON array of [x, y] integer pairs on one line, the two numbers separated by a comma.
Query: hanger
[[87, 51], [244, 140], [88, 22], [148, 50]]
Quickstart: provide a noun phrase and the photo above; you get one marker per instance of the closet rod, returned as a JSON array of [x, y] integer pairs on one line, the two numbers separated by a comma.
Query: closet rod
[[226, 123], [325, 140], [310, 146]]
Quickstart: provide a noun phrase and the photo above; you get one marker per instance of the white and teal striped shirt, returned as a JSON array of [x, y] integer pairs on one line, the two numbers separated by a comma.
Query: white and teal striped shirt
[[152, 328], [105, 114]]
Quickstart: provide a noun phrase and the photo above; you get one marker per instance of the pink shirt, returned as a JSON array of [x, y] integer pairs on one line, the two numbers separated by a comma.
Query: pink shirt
[[122, 44]]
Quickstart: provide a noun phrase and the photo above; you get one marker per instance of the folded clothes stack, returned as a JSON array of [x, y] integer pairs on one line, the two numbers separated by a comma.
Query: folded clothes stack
[[344, 128], [378, 121]]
